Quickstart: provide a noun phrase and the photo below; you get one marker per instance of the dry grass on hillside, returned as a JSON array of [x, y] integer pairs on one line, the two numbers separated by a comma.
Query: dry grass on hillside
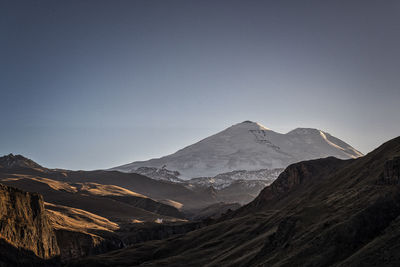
[[67, 218]]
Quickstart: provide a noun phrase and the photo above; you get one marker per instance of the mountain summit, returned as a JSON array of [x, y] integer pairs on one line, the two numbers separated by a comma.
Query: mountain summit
[[12, 161], [248, 146]]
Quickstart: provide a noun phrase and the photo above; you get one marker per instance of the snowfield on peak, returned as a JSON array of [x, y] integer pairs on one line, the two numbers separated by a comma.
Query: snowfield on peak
[[248, 146]]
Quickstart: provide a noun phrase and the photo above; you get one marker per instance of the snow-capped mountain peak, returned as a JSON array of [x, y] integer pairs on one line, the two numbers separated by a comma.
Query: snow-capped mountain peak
[[250, 124], [248, 146]]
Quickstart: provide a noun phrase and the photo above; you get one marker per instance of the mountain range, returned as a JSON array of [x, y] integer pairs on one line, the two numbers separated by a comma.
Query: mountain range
[[323, 212]]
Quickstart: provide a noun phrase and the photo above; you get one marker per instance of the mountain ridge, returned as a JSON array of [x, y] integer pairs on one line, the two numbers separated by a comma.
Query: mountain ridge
[[12, 161]]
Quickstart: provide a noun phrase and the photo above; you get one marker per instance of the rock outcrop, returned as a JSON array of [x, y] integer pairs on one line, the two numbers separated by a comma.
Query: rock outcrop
[[24, 223]]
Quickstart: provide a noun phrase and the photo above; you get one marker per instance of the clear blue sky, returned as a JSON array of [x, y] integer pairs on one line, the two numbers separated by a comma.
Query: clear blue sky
[[94, 84]]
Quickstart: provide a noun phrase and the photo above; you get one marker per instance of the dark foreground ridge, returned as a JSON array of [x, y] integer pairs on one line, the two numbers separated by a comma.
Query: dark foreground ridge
[[324, 212]]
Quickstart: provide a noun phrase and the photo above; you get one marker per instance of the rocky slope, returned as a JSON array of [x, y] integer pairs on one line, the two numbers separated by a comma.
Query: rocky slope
[[161, 174], [325, 212], [248, 146], [18, 162], [24, 224], [250, 178]]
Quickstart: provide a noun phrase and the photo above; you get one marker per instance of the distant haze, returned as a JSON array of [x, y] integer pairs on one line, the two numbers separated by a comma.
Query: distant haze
[[96, 84]]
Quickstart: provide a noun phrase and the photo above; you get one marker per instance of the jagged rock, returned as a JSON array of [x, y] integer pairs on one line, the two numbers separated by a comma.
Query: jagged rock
[[24, 223]]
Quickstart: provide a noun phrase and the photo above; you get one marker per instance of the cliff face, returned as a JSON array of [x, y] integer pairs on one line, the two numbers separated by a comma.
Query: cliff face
[[24, 224]]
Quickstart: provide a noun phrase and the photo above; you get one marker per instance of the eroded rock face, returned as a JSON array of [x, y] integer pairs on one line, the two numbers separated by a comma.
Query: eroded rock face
[[24, 223]]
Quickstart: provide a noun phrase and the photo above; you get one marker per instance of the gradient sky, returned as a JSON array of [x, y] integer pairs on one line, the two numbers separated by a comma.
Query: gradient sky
[[95, 84]]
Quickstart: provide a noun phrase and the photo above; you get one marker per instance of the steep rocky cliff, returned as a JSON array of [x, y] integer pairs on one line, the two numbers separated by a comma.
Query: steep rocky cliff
[[24, 223]]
